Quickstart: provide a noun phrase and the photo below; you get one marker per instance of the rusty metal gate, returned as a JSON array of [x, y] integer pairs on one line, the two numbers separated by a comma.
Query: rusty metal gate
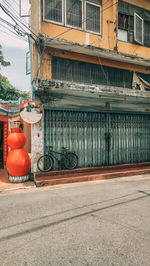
[[99, 138]]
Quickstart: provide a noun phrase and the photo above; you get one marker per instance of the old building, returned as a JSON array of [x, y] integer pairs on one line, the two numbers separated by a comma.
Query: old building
[[91, 73]]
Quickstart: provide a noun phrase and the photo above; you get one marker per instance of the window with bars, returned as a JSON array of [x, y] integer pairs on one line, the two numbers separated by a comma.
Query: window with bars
[[133, 24], [53, 10], [74, 13], [92, 17], [86, 73], [81, 14]]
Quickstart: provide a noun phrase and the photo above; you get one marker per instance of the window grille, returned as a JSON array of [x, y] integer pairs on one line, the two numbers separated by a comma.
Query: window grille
[[115, 77], [62, 69], [74, 13], [81, 72], [80, 14], [92, 17], [53, 10], [147, 34], [70, 70], [99, 75]]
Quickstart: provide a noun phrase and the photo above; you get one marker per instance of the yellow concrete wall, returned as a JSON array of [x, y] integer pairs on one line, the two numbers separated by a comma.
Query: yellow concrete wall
[[141, 3], [46, 70], [34, 62], [133, 49], [34, 18]]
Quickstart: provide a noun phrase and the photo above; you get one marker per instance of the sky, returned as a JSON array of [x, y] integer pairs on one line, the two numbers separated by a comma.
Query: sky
[[14, 48]]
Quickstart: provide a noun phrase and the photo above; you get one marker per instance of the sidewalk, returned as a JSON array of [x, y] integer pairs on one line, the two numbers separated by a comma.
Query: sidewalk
[[90, 174], [76, 175], [6, 185]]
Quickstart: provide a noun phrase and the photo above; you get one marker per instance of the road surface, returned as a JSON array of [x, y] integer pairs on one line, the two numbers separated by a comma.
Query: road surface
[[101, 223]]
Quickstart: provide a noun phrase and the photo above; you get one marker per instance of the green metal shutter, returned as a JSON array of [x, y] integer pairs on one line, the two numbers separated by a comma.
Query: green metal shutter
[[99, 138]]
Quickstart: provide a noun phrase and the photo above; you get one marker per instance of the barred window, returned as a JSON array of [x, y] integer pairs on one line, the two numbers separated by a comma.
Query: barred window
[[66, 69], [53, 10], [74, 13], [93, 17], [82, 14], [147, 33]]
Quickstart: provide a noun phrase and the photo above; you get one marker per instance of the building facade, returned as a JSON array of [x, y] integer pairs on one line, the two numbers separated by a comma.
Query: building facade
[[91, 74]]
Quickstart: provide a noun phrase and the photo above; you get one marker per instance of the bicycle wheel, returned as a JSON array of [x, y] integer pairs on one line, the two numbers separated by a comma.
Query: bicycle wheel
[[70, 160], [45, 163]]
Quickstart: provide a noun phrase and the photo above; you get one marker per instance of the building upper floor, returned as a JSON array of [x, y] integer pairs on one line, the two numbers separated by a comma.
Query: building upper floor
[[95, 27]]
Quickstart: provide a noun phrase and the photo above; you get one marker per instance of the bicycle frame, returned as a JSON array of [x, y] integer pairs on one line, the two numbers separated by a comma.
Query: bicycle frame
[[51, 152]]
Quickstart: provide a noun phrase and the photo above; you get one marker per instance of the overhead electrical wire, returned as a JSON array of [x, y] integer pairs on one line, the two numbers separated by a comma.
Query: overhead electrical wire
[[12, 35], [19, 19], [18, 26], [16, 15], [7, 23], [7, 28]]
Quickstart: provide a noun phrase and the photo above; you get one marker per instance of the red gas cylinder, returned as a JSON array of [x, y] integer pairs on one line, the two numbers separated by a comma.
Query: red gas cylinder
[[18, 160]]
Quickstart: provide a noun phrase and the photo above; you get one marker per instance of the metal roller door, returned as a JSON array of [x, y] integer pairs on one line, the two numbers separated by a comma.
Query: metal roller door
[[99, 138]]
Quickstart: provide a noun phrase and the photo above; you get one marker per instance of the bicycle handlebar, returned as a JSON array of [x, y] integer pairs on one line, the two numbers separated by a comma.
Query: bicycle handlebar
[[51, 147]]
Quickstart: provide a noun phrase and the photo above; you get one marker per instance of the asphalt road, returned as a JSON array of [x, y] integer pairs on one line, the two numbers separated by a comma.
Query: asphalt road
[[94, 223]]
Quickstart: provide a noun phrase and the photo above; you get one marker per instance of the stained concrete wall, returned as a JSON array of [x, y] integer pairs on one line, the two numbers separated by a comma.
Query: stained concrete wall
[[37, 144]]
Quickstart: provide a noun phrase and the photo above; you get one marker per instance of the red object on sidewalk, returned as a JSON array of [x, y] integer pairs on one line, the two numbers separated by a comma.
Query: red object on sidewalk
[[18, 161], [16, 140]]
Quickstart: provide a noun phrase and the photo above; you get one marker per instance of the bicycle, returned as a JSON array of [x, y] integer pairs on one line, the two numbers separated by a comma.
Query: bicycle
[[68, 159]]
